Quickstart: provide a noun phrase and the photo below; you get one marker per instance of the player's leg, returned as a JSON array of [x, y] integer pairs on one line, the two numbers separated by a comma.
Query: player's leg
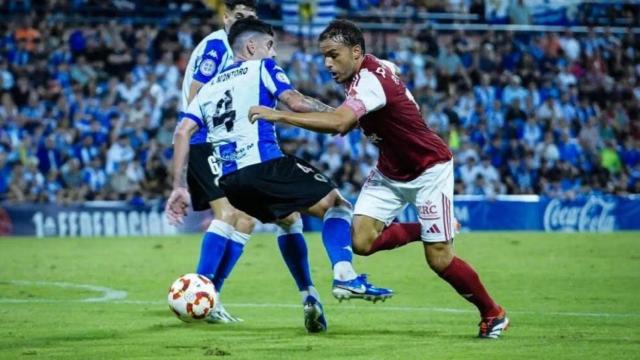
[[294, 252], [243, 228], [275, 189], [337, 214], [206, 195], [217, 245], [377, 205], [378, 237], [435, 205]]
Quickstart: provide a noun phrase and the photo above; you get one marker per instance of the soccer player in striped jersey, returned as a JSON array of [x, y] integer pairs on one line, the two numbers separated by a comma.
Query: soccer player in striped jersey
[[224, 241], [257, 177]]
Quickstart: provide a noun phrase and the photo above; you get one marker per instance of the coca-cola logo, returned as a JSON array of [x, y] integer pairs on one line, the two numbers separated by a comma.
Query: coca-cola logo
[[593, 216]]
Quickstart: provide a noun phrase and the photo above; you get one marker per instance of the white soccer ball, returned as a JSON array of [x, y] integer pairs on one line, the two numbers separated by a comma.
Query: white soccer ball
[[191, 297]]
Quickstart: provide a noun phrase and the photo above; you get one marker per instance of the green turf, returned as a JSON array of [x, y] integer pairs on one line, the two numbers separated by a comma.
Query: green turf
[[570, 296]]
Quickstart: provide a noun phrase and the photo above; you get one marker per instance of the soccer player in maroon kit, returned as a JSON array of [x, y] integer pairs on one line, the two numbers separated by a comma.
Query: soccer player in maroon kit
[[415, 165]]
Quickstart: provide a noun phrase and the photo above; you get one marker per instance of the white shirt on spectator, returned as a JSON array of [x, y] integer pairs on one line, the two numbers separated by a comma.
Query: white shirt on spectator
[[117, 154], [566, 79], [513, 92], [549, 110], [531, 133], [468, 174], [96, 178], [130, 94], [488, 172], [548, 152], [135, 172], [571, 47]]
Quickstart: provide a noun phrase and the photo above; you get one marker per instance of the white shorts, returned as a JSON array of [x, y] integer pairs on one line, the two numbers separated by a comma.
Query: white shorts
[[432, 193]]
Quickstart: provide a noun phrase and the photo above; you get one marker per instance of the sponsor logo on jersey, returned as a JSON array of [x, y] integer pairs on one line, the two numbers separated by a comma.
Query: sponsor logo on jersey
[[434, 229], [234, 155], [208, 67], [428, 211], [282, 77]]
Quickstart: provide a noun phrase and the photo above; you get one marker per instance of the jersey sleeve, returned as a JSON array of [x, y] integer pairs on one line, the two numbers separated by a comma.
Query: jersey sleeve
[[366, 95], [194, 112], [393, 67], [274, 78], [213, 57]]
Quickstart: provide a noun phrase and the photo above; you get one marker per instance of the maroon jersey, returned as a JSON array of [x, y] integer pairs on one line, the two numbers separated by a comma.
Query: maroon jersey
[[390, 118]]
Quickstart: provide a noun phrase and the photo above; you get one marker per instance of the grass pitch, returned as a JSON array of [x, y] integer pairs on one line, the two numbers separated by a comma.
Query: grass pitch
[[569, 296]]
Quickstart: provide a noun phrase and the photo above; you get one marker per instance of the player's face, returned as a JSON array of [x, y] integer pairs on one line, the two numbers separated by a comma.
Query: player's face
[[264, 47], [341, 60], [238, 12]]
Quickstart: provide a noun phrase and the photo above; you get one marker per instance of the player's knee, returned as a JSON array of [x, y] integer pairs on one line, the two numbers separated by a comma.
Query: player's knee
[[245, 223], [334, 200], [229, 215], [439, 256], [362, 239]]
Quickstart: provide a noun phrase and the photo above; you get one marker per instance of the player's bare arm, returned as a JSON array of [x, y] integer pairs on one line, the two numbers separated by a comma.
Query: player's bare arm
[[193, 90], [185, 129], [298, 102], [180, 199], [340, 121]]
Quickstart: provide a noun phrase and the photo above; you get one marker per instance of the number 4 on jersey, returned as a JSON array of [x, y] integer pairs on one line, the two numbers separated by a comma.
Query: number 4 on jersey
[[308, 170]]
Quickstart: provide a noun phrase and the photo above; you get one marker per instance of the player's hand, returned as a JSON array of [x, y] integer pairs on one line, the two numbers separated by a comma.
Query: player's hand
[[264, 113], [177, 204]]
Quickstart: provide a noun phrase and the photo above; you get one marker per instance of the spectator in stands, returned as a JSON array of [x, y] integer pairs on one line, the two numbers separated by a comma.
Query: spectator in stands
[[514, 91], [448, 61], [519, 13], [119, 154], [610, 159], [87, 99]]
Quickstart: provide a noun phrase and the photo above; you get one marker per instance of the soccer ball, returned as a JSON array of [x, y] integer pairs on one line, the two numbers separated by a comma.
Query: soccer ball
[[191, 297]]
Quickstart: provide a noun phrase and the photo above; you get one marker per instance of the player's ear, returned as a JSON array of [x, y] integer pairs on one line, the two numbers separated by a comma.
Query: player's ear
[[357, 52], [226, 16], [251, 47]]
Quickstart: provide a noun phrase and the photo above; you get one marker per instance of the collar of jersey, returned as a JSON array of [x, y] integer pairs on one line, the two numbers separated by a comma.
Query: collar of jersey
[[233, 66]]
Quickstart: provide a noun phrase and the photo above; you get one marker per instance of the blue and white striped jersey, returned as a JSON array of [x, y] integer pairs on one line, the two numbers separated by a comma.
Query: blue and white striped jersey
[[222, 107], [211, 55]]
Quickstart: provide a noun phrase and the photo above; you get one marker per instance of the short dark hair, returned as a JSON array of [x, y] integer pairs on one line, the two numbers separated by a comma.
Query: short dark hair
[[248, 25], [344, 31], [231, 4]]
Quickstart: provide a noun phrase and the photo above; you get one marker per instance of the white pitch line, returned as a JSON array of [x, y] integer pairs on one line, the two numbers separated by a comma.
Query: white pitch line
[[381, 307], [377, 307], [112, 296], [108, 294]]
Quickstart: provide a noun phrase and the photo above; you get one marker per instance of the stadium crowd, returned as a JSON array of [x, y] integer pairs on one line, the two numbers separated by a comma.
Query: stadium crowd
[[88, 111]]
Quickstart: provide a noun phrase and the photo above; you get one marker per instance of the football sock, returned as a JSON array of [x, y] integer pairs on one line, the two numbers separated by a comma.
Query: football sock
[[467, 283], [396, 235], [232, 253], [336, 236], [310, 291], [213, 245], [294, 252]]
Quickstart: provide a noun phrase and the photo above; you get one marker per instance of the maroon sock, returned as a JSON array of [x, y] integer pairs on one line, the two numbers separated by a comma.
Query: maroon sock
[[396, 235], [467, 283]]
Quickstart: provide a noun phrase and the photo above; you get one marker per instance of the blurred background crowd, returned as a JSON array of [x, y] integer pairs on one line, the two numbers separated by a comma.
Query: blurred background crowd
[[89, 93]]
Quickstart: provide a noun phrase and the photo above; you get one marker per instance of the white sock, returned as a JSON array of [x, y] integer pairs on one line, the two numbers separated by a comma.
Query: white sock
[[344, 271], [240, 238], [310, 291]]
